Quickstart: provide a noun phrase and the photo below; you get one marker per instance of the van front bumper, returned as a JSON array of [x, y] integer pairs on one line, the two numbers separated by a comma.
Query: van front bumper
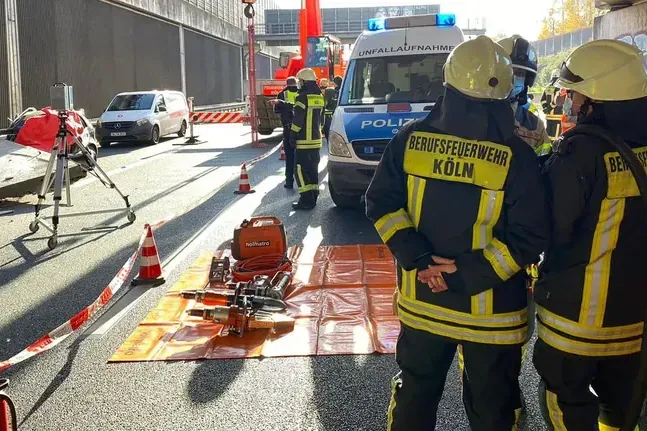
[[350, 178], [108, 132]]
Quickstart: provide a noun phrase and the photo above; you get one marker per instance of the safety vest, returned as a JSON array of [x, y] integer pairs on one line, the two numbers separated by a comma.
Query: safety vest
[[291, 96], [308, 120], [565, 125], [589, 296], [470, 179]]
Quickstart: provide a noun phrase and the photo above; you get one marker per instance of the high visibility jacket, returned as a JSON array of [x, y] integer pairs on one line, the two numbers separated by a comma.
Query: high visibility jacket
[[591, 293], [478, 202], [308, 118], [531, 129], [286, 110]]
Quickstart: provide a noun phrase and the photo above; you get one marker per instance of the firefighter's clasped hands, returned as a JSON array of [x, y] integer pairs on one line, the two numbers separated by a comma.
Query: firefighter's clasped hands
[[433, 276]]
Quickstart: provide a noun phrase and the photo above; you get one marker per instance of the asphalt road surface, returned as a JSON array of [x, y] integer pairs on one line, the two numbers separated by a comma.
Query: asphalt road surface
[[73, 388]]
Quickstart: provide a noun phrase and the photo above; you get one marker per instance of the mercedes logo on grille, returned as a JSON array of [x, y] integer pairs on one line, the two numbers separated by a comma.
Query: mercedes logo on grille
[[118, 126]]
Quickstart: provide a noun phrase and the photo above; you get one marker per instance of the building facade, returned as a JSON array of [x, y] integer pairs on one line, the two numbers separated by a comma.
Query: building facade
[[103, 47]]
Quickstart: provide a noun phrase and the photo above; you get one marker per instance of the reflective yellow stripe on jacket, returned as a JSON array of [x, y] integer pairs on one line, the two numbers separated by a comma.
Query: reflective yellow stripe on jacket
[[312, 138], [291, 96]]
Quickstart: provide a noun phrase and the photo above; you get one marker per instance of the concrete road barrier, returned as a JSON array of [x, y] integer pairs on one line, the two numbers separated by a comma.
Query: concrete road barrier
[[22, 169]]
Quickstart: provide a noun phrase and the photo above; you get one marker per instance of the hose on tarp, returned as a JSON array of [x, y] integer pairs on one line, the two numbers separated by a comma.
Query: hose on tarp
[[638, 172]]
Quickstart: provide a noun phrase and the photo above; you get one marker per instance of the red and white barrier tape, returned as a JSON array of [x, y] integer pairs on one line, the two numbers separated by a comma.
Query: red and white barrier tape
[[68, 328], [217, 117], [59, 334]]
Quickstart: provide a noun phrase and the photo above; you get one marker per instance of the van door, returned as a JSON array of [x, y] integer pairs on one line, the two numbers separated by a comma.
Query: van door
[[163, 116]]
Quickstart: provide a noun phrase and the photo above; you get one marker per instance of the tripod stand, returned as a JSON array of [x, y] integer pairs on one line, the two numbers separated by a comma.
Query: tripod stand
[[61, 156]]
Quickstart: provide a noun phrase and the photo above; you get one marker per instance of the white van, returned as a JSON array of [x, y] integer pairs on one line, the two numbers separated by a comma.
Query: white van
[[395, 75], [143, 116]]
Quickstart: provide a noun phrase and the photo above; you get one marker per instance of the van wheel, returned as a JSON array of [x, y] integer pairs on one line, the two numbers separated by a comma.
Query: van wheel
[[105, 144], [155, 135], [182, 131], [343, 201]]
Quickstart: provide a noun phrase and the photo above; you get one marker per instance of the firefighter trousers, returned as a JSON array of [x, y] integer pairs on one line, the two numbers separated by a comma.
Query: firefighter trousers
[[307, 175], [288, 147], [519, 405], [490, 382], [565, 396]]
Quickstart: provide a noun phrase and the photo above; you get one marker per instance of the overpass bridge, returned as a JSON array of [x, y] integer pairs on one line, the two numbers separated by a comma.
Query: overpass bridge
[[280, 27], [347, 32]]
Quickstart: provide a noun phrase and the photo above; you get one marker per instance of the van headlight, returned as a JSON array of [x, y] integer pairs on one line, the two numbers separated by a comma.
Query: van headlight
[[142, 121], [337, 146]]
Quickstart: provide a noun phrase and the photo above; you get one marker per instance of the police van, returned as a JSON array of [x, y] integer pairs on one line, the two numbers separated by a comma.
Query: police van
[[395, 74]]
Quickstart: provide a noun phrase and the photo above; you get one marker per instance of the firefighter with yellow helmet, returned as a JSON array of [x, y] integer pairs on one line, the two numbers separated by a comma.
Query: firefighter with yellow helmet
[[458, 199], [530, 128], [591, 295], [306, 138]]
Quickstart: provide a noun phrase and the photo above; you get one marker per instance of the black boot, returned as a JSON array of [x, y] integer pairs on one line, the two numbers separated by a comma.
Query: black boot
[[303, 204]]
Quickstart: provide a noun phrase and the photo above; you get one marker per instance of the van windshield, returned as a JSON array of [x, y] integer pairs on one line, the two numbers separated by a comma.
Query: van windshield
[[132, 102], [406, 78]]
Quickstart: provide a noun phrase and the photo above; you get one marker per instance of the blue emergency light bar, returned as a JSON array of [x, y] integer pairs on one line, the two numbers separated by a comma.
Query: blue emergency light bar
[[436, 20]]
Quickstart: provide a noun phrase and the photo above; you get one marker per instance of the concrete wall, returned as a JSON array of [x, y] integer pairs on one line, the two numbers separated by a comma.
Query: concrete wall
[[182, 12], [98, 48], [103, 47], [213, 69], [628, 24]]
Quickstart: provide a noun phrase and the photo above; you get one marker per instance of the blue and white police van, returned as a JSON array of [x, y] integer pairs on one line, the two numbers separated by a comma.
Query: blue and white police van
[[394, 75]]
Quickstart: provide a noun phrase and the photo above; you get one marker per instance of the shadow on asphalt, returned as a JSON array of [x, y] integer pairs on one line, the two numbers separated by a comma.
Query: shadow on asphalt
[[86, 287], [340, 382]]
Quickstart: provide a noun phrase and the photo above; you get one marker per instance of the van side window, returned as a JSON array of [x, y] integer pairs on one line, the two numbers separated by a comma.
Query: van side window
[[160, 102]]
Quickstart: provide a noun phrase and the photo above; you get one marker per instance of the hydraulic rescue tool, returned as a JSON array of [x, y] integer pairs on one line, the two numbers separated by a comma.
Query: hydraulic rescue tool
[[240, 319], [220, 270], [638, 172], [259, 236], [262, 293]]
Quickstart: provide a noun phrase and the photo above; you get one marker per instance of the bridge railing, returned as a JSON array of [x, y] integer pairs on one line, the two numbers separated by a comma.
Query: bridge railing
[[292, 28]]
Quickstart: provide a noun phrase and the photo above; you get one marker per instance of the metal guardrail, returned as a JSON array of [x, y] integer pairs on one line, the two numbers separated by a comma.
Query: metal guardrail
[[221, 107]]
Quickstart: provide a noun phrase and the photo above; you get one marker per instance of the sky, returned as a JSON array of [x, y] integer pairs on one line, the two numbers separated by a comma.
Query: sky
[[501, 16]]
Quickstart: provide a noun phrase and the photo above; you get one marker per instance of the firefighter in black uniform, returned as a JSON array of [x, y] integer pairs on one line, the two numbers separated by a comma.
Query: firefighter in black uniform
[[306, 138], [591, 293], [331, 97], [457, 198], [284, 106]]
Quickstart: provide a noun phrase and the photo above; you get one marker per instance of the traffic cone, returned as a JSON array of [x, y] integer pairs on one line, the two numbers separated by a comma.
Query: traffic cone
[[243, 184], [150, 270], [282, 157]]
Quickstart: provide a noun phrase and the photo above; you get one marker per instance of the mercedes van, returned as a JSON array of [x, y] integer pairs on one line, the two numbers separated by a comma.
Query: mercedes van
[[143, 116], [395, 75]]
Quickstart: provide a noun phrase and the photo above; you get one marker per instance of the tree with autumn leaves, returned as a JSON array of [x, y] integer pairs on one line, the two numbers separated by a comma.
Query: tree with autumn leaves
[[565, 16]]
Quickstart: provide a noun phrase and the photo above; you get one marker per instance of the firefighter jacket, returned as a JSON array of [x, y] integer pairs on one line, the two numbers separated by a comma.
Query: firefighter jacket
[[479, 202], [286, 108], [330, 99], [591, 293], [308, 118], [531, 129]]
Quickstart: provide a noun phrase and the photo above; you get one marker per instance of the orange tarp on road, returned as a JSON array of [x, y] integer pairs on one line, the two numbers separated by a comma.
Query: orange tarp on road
[[340, 299]]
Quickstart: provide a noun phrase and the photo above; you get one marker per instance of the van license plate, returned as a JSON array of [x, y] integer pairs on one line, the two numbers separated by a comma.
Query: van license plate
[[118, 134], [369, 150]]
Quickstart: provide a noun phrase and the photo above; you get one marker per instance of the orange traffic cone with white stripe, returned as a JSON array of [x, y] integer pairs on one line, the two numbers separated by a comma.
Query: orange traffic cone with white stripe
[[150, 270], [243, 184], [283, 156]]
